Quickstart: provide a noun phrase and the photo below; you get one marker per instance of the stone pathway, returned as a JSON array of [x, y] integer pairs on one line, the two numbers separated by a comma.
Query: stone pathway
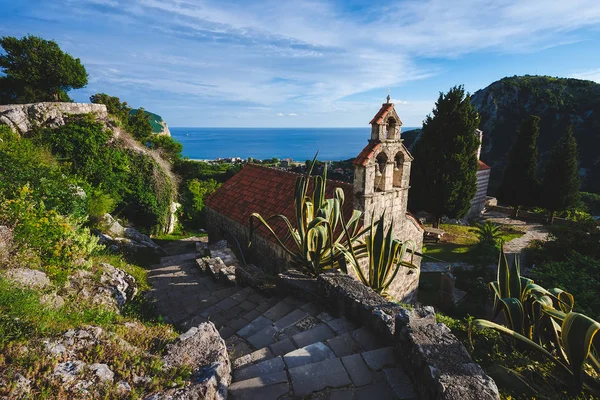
[[281, 348], [533, 231]]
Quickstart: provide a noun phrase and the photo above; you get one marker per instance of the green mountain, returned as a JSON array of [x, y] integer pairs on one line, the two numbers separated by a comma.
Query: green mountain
[[557, 101], [159, 126]]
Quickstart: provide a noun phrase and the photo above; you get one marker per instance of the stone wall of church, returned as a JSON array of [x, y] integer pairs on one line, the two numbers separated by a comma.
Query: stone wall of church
[[263, 252]]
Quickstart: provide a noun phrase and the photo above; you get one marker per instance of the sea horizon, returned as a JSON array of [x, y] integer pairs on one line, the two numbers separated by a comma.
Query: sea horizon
[[299, 144]]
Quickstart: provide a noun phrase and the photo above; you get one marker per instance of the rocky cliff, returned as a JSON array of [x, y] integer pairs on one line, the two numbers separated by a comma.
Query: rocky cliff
[[559, 102], [24, 117]]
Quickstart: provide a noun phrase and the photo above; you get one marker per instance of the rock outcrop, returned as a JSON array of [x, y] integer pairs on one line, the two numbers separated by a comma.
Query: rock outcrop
[[24, 117], [202, 349], [116, 236], [112, 290], [28, 278]]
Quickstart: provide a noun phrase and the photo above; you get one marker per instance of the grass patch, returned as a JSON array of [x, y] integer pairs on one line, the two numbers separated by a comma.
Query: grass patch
[[458, 243], [23, 316], [179, 235]]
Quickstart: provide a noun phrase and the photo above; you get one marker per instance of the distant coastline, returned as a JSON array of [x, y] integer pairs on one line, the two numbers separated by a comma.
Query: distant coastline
[[299, 144]]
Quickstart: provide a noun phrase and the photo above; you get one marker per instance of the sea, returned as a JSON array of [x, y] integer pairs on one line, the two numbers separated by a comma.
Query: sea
[[299, 144]]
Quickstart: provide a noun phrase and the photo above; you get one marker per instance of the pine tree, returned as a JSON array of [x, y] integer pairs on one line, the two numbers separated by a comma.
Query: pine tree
[[444, 170], [520, 186], [561, 182]]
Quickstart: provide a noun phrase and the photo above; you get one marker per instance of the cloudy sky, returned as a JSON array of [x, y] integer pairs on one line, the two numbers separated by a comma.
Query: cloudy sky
[[307, 63]]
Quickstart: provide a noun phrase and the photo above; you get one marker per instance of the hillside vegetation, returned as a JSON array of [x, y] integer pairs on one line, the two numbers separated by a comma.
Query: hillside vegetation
[[558, 102]]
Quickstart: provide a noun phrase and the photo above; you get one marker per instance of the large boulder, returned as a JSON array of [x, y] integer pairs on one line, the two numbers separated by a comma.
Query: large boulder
[[126, 238], [202, 349], [28, 278], [24, 117]]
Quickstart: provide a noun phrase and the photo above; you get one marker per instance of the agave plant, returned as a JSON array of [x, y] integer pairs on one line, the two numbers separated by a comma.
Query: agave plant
[[543, 320], [385, 255], [317, 235]]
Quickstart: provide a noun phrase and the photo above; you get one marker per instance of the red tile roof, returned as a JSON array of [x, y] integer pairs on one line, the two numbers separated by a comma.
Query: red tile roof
[[366, 154], [267, 191], [382, 113], [483, 166]]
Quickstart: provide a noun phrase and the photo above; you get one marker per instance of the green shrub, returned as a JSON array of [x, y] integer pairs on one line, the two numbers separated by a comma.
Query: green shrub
[[56, 239], [127, 180], [22, 163], [169, 147], [192, 201], [99, 203]]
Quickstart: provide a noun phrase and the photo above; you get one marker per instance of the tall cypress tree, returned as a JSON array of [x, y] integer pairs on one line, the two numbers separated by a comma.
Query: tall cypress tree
[[444, 170], [561, 182], [520, 186]]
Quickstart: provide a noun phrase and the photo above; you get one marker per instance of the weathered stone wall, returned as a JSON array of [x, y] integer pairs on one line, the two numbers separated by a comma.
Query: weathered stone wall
[[263, 252], [24, 117], [440, 365]]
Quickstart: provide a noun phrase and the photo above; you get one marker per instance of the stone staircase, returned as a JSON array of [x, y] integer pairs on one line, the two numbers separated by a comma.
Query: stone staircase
[[280, 347]]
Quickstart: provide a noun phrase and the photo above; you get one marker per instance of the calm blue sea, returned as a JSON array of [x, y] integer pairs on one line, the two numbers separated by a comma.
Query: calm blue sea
[[297, 143]]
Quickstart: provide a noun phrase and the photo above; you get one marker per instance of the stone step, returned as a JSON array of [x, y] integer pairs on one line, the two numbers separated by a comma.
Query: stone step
[[178, 258], [341, 345], [308, 355], [240, 304], [267, 387], [273, 333], [310, 378], [260, 369]]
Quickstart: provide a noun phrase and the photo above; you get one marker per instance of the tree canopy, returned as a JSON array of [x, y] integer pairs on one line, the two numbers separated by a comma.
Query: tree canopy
[[520, 186], [444, 172], [561, 182], [37, 70]]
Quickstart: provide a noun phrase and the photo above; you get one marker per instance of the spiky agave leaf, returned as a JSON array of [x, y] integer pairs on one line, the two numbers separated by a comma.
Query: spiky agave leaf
[[578, 333]]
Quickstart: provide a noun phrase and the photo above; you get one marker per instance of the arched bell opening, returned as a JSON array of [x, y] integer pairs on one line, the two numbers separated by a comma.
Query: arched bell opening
[[391, 128], [380, 167], [398, 166]]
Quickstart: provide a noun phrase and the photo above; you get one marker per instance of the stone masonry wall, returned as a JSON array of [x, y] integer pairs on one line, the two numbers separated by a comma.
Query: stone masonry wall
[[24, 117], [263, 252]]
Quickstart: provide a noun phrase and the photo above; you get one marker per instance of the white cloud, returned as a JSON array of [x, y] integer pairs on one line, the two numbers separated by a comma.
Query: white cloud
[[590, 75], [309, 55]]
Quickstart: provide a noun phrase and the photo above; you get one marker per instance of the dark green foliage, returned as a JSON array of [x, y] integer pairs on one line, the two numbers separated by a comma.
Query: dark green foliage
[[139, 187], [149, 193], [561, 182], [591, 202], [113, 105], [192, 197], [592, 179], [571, 260], [557, 101], [22, 163], [37, 70], [520, 186], [444, 171], [156, 121], [139, 125], [580, 274], [198, 180], [188, 169], [169, 147]]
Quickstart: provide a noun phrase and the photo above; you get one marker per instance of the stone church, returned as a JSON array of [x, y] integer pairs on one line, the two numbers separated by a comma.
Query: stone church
[[381, 183]]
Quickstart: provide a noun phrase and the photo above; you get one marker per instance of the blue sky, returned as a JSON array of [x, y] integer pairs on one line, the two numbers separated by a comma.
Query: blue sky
[[307, 63]]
